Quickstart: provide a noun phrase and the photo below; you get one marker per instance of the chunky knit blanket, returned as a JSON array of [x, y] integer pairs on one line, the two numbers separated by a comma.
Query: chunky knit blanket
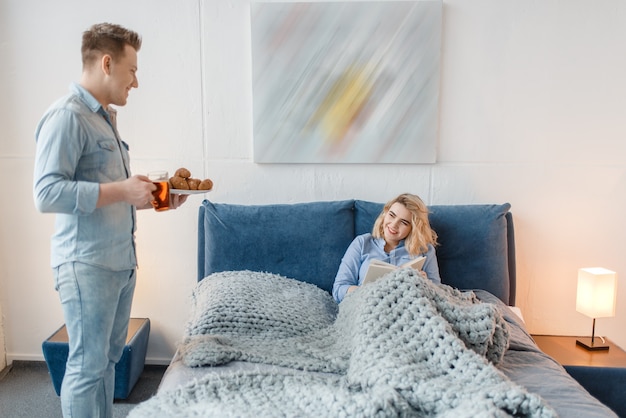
[[401, 346]]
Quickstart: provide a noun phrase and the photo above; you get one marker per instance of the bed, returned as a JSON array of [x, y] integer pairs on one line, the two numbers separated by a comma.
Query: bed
[[265, 338]]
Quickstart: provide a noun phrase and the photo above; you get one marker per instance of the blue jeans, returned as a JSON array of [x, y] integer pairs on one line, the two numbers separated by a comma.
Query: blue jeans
[[96, 306]]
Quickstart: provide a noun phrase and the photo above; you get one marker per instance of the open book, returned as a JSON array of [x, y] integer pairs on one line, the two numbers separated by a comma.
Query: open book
[[378, 268]]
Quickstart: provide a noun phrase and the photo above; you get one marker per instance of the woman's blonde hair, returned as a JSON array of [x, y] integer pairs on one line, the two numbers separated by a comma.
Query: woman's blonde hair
[[421, 233]]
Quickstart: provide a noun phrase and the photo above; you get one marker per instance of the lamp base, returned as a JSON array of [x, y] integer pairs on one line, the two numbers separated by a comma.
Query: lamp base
[[592, 345]]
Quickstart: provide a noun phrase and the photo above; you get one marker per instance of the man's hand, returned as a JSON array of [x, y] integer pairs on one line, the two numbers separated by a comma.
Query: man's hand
[[177, 199], [136, 190], [139, 190]]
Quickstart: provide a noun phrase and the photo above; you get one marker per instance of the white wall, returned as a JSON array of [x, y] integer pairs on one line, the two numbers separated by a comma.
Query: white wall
[[533, 100], [3, 356]]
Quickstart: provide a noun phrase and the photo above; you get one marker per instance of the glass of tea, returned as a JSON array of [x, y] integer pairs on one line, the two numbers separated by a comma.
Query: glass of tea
[[162, 193]]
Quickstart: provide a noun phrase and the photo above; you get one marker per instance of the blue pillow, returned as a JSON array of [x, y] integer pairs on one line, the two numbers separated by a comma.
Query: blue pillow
[[303, 241], [365, 214], [473, 251]]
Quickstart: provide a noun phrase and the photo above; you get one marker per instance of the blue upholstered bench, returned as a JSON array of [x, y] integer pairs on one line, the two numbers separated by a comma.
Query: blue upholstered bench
[[127, 370]]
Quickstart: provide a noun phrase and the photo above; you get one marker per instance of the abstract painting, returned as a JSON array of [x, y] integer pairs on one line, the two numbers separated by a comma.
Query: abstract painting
[[346, 82]]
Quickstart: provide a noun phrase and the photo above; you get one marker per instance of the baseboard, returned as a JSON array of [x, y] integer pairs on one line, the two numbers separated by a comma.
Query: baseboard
[[24, 357], [155, 361], [4, 371]]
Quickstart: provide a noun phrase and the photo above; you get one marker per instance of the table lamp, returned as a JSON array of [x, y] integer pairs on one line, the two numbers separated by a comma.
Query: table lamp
[[595, 297]]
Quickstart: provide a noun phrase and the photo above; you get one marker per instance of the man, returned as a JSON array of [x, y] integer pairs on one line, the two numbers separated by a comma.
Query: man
[[82, 173]]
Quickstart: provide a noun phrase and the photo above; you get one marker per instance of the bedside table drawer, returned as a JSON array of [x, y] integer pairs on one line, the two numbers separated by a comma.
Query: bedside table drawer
[[607, 384]]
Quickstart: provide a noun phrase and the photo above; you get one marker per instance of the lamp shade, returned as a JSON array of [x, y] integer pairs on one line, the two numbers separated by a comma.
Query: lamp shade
[[596, 292]]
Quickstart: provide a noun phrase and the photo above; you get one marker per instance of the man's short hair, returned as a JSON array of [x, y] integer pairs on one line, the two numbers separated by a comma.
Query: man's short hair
[[107, 38]]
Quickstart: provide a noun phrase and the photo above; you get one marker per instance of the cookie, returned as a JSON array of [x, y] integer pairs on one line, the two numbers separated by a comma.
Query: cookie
[[205, 184], [182, 172], [178, 182], [193, 183]]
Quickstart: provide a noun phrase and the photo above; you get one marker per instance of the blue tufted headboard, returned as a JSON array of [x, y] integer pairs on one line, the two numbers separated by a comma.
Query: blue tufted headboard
[[306, 241]]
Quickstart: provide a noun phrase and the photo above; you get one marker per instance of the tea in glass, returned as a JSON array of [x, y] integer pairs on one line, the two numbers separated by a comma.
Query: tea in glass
[[162, 193]]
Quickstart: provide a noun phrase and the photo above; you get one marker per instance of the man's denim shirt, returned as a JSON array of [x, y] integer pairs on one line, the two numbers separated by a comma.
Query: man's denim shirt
[[78, 147]]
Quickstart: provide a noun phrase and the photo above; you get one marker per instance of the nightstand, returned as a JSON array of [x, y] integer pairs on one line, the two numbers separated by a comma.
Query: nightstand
[[602, 373], [127, 370]]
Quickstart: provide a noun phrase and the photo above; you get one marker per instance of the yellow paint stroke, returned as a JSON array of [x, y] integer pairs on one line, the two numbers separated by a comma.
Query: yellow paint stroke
[[343, 104]]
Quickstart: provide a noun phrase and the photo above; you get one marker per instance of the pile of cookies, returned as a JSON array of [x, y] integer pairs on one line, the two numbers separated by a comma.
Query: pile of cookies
[[182, 180]]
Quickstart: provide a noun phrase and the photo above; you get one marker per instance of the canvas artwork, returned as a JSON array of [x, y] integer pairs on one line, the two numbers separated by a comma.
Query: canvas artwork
[[346, 82]]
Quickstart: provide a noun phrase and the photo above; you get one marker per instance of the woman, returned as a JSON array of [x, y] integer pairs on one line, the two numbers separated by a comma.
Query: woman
[[401, 233]]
